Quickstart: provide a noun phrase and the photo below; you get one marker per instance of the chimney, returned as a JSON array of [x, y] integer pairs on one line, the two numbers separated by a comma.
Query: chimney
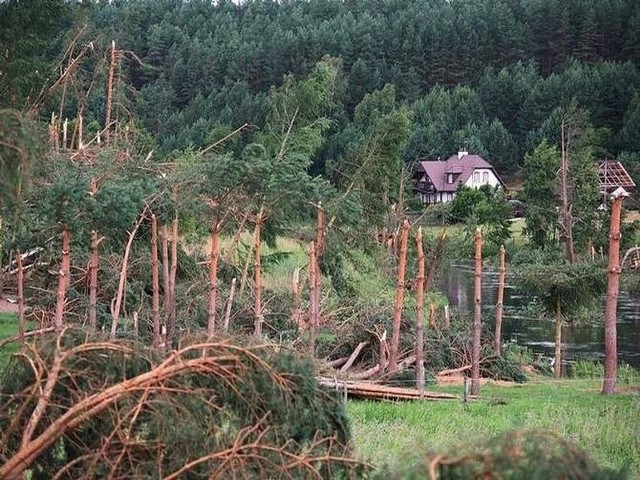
[[462, 153]]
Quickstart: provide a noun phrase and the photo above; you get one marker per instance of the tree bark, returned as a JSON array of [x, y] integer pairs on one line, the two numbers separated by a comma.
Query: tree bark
[[557, 365], [420, 314], [94, 265], [21, 325], [164, 237], [257, 287], [399, 299], [502, 275], [477, 316], [63, 278], [296, 311], [610, 334], [213, 279], [227, 314], [155, 283], [107, 116], [567, 216]]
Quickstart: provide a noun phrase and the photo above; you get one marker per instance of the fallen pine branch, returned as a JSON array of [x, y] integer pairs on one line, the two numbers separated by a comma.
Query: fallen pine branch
[[451, 371], [374, 391], [30, 333], [353, 356]]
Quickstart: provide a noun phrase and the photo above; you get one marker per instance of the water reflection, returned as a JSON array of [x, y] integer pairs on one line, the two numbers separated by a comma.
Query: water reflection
[[579, 341]]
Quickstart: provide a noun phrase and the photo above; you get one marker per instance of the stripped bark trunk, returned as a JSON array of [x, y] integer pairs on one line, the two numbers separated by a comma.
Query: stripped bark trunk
[[155, 283], [382, 352], [115, 313], [420, 314], [257, 286], [21, 325], [399, 299], [63, 279], [502, 274], [352, 358], [432, 315], [313, 264], [319, 247], [227, 314], [296, 311], [557, 366], [213, 279], [93, 281], [164, 236], [477, 316], [107, 116], [171, 315], [613, 285]]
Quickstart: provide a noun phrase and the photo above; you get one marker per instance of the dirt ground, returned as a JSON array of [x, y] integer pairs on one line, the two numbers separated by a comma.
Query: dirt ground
[[7, 306]]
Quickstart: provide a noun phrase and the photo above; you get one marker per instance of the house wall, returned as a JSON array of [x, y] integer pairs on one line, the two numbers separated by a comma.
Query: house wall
[[482, 176]]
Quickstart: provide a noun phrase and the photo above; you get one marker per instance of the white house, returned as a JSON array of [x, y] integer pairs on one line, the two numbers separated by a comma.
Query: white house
[[437, 181]]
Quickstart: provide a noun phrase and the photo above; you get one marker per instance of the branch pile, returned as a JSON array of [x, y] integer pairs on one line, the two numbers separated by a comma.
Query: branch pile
[[79, 409]]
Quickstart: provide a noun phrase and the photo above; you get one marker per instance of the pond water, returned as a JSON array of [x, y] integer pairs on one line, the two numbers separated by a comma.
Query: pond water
[[579, 341]]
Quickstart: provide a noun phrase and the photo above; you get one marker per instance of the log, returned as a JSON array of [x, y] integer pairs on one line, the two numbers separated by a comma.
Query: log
[[353, 356], [374, 391], [451, 371]]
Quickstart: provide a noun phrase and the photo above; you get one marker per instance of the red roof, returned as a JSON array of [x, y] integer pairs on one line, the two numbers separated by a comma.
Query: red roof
[[462, 168]]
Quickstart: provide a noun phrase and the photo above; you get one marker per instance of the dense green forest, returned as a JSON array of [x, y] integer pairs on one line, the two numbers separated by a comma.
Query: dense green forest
[[488, 76]]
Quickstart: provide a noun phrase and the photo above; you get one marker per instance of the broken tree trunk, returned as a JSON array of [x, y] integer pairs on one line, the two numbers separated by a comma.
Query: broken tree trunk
[[296, 310], [227, 314], [477, 316], [107, 116], [213, 279], [257, 284], [313, 308], [21, 325], [566, 214], [93, 281], [557, 366], [63, 278], [502, 274], [155, 283], [420, 314], [173, 268], [613, 285], [164, 239], [399, 299], [317, 277]]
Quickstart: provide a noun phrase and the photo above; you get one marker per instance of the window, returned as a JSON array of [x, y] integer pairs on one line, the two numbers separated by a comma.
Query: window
[[485, 177], [476, 177], [450, 178]]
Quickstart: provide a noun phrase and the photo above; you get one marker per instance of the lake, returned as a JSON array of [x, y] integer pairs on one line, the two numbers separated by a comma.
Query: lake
[[579, 342]]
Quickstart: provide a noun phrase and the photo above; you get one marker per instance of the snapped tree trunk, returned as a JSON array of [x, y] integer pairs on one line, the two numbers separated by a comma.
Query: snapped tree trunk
[[257, 284], [399, 299], [477, 316], [164, 237], [155, 283], [566, 214], [94, 265], [213, 279], [313, 309], [21, 325], [171, 315], [227, 314], [613, 285], [557, 365], [63, 278], [502, 275], [107, 116], [296, 311], [420, 313]]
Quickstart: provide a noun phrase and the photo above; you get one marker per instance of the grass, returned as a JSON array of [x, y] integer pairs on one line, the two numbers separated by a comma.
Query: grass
[[607, 428], [8, 328]]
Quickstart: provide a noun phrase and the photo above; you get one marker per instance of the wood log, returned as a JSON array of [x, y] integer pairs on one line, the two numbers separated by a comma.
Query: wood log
[[353, 356], [374, 391]]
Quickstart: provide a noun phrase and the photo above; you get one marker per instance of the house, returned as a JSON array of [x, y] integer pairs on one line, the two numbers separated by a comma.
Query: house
[[437, 181], [612, 175]]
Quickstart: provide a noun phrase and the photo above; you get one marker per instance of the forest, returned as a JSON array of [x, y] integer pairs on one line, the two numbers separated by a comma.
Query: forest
[[204, 202]]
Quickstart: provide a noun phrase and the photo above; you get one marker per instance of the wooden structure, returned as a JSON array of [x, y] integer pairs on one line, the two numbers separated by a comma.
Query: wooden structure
[[375, 391], [612, 175]]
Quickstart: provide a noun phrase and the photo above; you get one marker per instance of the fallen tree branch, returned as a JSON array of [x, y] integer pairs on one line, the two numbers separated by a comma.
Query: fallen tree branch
[[30, 333], [451, 371], [353, 356]]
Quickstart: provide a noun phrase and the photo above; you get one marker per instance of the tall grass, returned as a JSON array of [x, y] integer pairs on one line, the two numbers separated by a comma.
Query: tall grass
[[607, 428], [8, 328]]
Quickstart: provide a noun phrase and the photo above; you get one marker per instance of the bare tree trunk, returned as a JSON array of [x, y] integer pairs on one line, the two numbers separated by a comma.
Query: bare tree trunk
[[227, 314], [213, 279], [420, 314], [313, 308], [477, 316], [610, 334], [502, 275], [155, 283], [164, 237], [80, 130], [557, 366], [171, 315], [399, 300], [567, 216], [257, 287], [63, 278], [107, 116], [115, 312], [21, 326], [296, 311], [447, 322], [94, 265], [318, 256], [245, 272]]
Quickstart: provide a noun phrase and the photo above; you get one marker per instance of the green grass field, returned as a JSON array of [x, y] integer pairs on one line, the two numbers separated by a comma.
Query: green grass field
[[607, 428], [8, 328]]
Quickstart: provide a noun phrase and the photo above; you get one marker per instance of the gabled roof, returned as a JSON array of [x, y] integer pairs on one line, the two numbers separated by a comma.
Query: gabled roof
[[612, 174], [461, 167]]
